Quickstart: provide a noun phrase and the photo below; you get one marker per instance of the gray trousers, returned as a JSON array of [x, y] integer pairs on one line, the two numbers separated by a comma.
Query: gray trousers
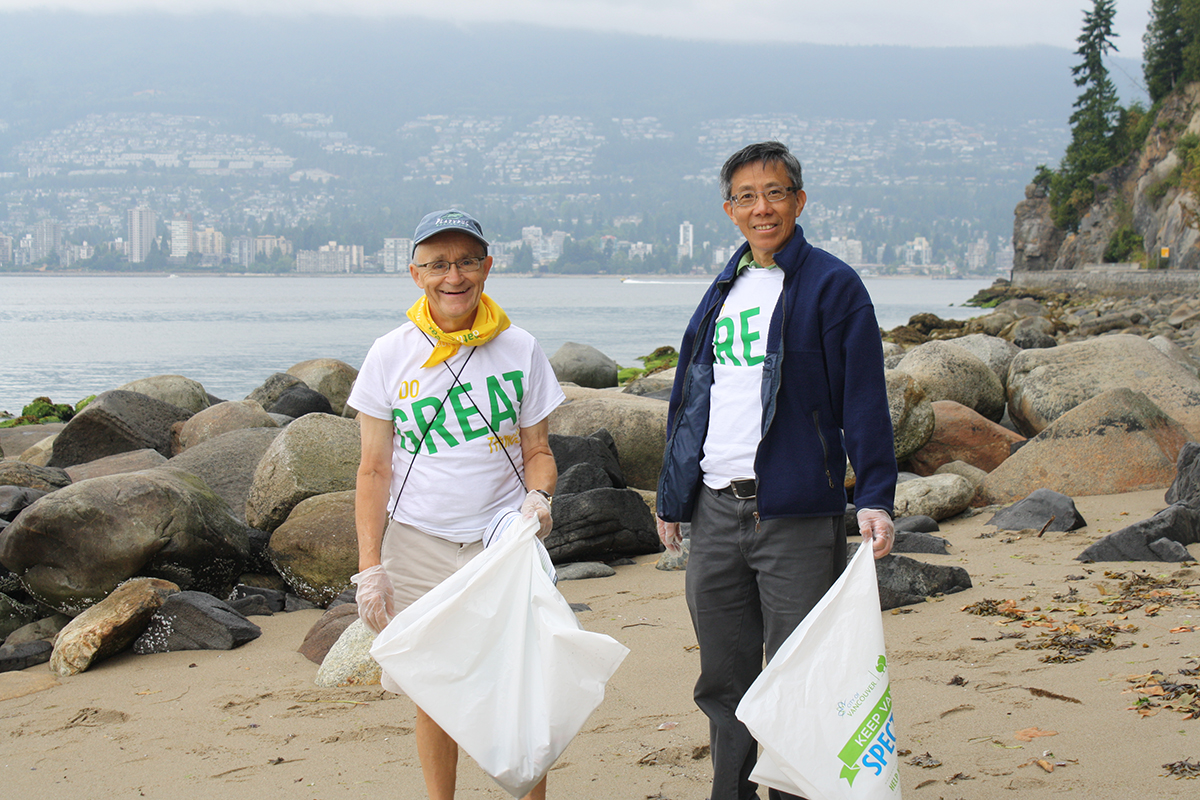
[[749, 585]]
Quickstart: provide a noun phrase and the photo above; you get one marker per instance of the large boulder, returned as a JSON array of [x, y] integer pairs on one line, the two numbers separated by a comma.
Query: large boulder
[[905, 581], [316, 454], [227, 463], [222, 418], [194, 621], [961, 434], [1119, 441], [174, 389], [1185, 488], [316, 548], [330, 377], [911, 413], [1176, 353], [600, 525], [117, 422], [997, 353], [110, 626], [327, 630], [349, 661], [638, 426], [597, 450], [937, 496], [1163, 537], [1043, 509], [300, 400], [72, 547], [584, 365], [132, 461], [15, 499], [948, 372], [46, 479], [16, 440], [274, 386], [1045, 384]]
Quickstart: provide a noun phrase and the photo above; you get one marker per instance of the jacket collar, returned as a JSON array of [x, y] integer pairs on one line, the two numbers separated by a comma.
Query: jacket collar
[[788, 259]]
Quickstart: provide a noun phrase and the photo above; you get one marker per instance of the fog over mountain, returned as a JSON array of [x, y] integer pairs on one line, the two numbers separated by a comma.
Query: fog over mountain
[[383, 72]]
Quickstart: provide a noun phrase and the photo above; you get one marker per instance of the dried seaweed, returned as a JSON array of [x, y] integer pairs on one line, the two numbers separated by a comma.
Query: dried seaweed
[[1183, 769]]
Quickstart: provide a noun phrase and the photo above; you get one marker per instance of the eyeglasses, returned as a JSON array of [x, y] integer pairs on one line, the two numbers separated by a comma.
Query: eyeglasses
[[750, 198], [470, 264]]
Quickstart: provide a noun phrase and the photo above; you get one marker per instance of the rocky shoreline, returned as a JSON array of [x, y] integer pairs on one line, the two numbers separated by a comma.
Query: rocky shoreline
[[214, 510]]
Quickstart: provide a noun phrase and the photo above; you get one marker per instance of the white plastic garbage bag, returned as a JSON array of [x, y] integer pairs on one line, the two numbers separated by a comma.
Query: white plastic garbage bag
[[822, 708], [503, 522], [495, 656]]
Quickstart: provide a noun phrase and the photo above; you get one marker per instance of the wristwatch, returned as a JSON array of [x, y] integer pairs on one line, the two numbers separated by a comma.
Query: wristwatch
[[549, 497]]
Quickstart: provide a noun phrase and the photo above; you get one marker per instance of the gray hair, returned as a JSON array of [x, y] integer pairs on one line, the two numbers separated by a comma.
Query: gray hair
[[765, 153]]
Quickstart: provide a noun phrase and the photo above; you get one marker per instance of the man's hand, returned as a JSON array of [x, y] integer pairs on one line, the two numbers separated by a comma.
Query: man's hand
[[877, 526], [536, 505], [374, 597], [670, 535]]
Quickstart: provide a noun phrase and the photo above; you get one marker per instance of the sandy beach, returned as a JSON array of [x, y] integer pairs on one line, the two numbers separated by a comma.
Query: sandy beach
[[250, 724]]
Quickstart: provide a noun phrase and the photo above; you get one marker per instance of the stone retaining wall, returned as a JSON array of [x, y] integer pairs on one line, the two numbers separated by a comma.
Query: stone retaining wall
[[1112, 279]]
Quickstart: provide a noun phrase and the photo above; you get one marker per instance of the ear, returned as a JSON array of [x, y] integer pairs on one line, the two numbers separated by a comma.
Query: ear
[[801, 199], [417, 275], [728, 206]]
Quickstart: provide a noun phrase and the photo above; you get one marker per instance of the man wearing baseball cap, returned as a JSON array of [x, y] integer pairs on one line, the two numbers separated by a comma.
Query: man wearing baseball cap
[[454, 408]]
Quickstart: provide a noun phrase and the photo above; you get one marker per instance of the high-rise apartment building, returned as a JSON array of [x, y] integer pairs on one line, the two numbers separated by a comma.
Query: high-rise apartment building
[[47, 239], [181, 236], [397, 254], [210, 242], [6, 248], [686, 245], [141, 233]]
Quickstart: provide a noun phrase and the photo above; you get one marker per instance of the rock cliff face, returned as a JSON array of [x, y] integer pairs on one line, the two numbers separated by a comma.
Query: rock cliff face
[[1137, 192]]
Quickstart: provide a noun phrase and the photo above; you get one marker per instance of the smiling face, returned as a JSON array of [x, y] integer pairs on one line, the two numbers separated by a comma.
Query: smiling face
[[766, 226], [453, 297]]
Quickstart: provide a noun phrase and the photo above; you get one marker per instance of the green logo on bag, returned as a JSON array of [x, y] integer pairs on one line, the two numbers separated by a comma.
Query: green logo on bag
[[881, 665], [873, 743]]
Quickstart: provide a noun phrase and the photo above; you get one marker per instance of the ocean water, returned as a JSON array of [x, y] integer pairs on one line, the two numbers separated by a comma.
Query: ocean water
[[70, 336]]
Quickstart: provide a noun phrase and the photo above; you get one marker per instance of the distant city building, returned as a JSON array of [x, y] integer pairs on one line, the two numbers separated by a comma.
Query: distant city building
[[6, 248], [210, 242], [47, 239], [332, 257], [267, 245], [686, 246], [978, 255], [640, 249], [917, 253], [141, 233], [397, 254], [241, 251], [181, 236], [848, 250]]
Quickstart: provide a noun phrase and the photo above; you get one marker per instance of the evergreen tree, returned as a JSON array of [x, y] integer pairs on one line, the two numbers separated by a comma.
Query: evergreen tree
[[1093, 146], [1164, 44]]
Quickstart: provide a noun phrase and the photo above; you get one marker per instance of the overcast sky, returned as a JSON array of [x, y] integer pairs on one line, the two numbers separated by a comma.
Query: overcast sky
[[914, 22]]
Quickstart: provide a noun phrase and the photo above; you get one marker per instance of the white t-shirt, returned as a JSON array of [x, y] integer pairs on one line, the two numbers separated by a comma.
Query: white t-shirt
[[460, 476], [739, 348]]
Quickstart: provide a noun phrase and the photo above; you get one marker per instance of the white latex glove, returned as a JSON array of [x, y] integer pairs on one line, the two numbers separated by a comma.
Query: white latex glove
[[374, 597], [536, 505], [670, 535], [877, 526]]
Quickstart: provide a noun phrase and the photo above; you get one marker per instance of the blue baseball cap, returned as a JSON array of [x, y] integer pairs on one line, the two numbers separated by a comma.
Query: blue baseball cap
[[449, 220]]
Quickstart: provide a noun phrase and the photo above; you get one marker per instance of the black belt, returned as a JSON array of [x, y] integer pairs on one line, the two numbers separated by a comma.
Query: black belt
[[742, 488]]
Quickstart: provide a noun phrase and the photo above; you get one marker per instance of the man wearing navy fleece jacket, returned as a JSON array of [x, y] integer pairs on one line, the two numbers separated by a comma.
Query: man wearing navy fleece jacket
[[780, 378]]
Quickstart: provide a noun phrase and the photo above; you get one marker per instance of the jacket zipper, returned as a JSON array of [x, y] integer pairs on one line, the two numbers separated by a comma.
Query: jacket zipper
[[824, 448]]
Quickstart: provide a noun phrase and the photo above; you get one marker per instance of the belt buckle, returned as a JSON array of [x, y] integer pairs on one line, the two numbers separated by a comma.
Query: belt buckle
[[744, 488]]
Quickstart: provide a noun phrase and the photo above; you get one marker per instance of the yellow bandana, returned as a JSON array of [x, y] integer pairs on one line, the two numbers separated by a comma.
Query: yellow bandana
[[490, 321]]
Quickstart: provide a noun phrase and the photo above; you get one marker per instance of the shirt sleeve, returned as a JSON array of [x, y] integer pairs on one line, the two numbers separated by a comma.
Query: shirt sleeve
[[543, 394], [369, 393]]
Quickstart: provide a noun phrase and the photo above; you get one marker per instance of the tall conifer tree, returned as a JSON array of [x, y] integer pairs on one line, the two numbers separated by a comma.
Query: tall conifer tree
[[1093, 124], [1164, 45]]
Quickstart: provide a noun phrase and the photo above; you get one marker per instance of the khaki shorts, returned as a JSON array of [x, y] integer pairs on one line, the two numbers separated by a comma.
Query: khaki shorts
[[416, 561]]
